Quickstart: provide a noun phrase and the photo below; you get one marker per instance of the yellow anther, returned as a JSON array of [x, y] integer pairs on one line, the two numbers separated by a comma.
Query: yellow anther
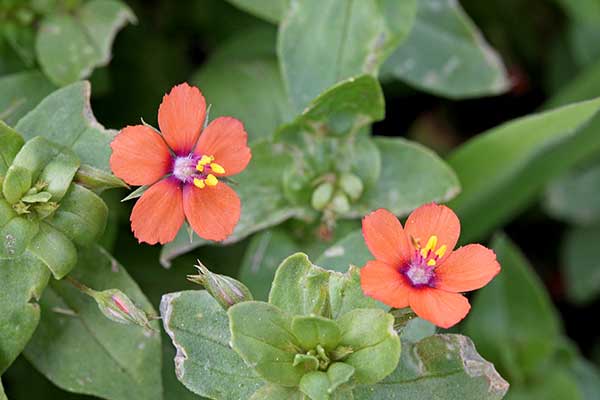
[[206, 160], [199, 183], [199, 167], [211, 180], [441, 251], [431, 262], [217, 169], [431, 243]]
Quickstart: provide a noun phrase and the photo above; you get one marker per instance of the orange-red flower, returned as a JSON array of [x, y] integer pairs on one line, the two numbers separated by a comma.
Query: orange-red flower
[[184, 169], [416, 266]]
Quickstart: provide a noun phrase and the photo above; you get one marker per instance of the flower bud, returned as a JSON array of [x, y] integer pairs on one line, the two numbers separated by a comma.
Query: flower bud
[[226, 290], [116, 306], [322, 195], [351, 185], [96, 179]]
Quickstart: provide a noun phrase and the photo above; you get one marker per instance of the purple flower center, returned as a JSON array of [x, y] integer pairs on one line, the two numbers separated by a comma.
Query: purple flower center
[[418, 273], [184, 168]]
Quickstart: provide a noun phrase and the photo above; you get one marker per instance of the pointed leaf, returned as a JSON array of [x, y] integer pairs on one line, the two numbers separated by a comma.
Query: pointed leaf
[[21, 92], [508, 165]]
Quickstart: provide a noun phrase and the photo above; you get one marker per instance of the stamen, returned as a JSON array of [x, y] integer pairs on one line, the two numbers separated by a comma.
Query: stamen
[[431, 243], [441, 251], [211, 180], [217, 169], [431, 262], [199, 183]]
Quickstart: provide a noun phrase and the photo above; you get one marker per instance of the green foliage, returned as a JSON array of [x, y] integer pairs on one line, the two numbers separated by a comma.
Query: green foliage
[[80, 350], [580, 264], [21, 92], [458, 63], [379, 26], [503, 169]]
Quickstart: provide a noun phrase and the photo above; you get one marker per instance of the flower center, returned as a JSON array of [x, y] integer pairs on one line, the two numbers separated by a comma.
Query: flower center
[[420, 271], [198, 170]]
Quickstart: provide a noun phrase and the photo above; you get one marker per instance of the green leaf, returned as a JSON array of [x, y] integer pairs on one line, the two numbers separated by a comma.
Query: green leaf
[[375, 344], [260, 333], [512, 319], [82, 216], [97, 179], [59, 173], [580, 264], [503, 169], [440, 367], [119, 361], [16, 235], [575, 196], [300, 288], [411, 175], [318, 385], [65, 117], [276, 392], [256, 96], [270, 10], [314, 330], [69, 47], [205, 364], [345, 293], [21, 92], [582, 10], [587, 376], [22, 281], [322, 43], [351, 250], [458, 62], [584, 86], [54, 250], [261, 180], [10, 144], [342, 109]]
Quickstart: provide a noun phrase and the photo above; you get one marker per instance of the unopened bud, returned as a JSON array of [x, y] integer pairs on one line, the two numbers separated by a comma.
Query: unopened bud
[[226, 290], [116, 306], [322, 195], [351, 185], [97, 179], [340, 203]]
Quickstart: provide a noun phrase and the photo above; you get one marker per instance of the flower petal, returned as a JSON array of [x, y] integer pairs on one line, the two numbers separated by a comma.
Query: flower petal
[[441, 308], [139, 155], [226, 139], [385, 237], [213, 212], [384, 283], [181, 117], [433, 219], [158, 214], [468, 268]]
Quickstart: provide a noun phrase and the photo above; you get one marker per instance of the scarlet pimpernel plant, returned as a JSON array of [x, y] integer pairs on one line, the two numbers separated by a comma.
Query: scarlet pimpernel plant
[[317, 212]]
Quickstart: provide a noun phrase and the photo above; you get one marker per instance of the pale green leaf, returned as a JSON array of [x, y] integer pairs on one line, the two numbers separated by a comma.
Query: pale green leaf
[[82, 351], [412, 175], [322, 43], [300, 288], [65, 117], [503, 169], [351, 250], [22, 281], [205, 363], [446, 54], [21, 92], [10, 144], [440, 367], [69, 47]]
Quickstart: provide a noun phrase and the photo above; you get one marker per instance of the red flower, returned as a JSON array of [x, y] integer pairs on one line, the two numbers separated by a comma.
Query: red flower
[[417, 266], [184, 169]]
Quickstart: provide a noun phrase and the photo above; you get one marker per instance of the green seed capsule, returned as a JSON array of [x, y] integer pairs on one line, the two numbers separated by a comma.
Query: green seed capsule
[[226, 290], [340, 203], [351, 185], [322, 195]]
